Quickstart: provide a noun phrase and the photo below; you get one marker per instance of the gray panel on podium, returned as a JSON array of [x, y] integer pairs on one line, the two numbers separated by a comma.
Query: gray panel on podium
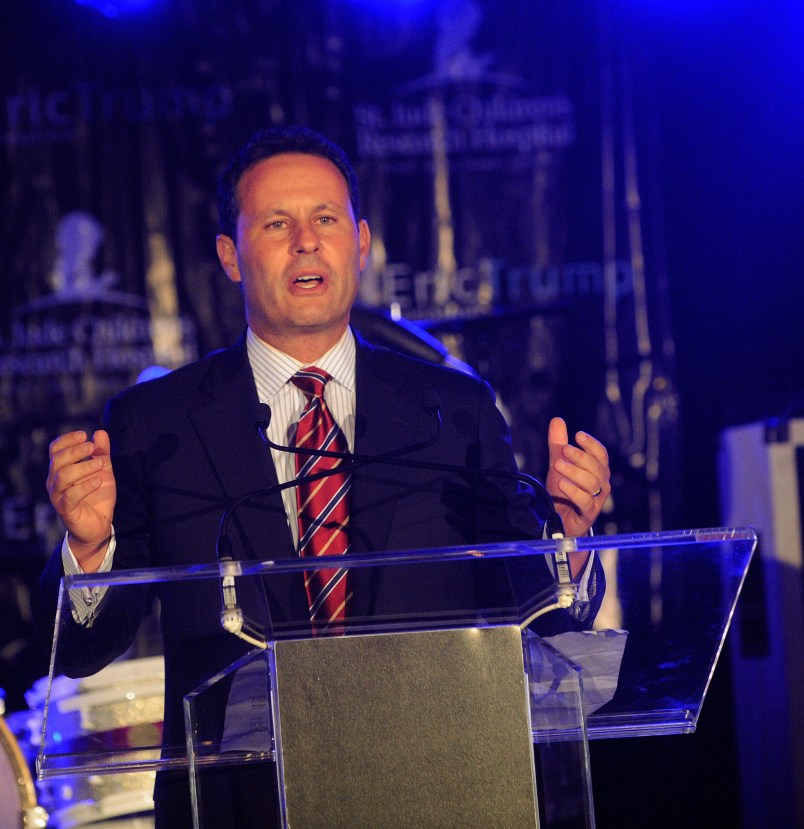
[[442, 716], [421, 729]]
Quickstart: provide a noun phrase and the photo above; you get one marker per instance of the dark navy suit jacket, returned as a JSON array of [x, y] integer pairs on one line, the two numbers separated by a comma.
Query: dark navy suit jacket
[[185, 445]]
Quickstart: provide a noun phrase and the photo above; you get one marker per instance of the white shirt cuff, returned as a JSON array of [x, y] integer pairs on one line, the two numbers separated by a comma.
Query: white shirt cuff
[[85, 601], [582, 581]]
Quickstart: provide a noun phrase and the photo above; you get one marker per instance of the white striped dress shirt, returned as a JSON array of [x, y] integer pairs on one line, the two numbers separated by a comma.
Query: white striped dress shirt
[[273, 370]]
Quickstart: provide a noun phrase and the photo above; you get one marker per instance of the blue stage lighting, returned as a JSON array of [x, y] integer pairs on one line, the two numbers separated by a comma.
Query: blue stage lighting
[[116, 8], [392, 5]]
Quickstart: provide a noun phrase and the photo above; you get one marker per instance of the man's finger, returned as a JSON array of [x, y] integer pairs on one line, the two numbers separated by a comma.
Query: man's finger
[[67, 441], [594, 447], [557, 437], [102, 443], [70, 486], [68, 465]]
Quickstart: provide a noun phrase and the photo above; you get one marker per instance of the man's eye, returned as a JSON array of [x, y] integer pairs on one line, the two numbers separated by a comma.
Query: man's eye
[[276, 225], [326, 220]]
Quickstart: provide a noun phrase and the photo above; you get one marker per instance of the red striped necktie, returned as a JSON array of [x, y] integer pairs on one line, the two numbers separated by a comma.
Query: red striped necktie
[[323, 505]]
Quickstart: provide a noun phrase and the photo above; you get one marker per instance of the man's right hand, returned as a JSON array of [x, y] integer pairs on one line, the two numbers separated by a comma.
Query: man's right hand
[[82, 489]]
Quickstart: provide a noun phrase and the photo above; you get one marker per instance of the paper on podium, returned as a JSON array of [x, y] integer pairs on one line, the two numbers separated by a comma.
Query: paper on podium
[[599, 654]]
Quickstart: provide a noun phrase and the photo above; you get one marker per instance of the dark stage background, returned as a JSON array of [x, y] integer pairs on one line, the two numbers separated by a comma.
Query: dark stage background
[[599, 205]]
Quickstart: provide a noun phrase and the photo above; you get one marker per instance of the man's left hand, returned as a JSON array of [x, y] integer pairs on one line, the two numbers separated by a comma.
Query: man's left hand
[[578, 477]]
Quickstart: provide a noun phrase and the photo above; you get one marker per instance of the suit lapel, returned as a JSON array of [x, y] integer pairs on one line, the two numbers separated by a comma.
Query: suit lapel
[[389, 415], [226, 429], [386, 418], [225, 425]]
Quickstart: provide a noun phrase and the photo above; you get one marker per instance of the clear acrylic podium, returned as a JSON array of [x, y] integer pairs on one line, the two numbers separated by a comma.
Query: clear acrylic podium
[[425, 712]]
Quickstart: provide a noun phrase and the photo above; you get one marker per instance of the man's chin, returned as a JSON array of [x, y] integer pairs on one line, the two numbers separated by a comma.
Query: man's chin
[[326, 332], [316, 325]]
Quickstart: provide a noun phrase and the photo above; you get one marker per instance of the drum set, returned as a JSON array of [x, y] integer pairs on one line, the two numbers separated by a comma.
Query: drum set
[[17, 792], [124, 702]]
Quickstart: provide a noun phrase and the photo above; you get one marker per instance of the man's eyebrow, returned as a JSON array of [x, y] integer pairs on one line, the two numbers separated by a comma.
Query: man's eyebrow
[[283, 211], [330, 205]]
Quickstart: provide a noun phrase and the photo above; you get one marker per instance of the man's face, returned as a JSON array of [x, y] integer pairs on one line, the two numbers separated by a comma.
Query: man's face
[[299, 252]]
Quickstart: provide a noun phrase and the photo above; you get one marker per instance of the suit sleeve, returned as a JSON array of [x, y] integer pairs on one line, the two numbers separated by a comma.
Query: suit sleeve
[[85, 649]]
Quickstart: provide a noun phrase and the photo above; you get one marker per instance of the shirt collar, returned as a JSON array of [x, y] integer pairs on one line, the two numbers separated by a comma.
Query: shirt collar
[[273, 368]]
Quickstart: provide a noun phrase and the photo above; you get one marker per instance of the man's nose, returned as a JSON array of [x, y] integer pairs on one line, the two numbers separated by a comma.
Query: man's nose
[[305, 240]]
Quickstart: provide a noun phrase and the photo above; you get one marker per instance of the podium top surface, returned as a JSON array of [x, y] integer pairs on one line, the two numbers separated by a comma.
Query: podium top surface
[[646, 659], [735, 541], [655, 576]]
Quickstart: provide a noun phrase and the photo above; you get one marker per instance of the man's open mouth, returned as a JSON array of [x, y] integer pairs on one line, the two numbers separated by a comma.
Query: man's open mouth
[[308, 279]]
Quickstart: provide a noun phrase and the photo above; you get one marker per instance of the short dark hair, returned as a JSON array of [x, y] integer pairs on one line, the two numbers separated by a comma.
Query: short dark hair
[[268, 143]]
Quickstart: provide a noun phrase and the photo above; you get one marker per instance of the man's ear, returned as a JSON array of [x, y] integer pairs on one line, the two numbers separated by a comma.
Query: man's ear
[[227, 254], [364, 238]]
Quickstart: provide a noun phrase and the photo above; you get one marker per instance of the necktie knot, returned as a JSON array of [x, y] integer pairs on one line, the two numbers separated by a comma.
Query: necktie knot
[[311, 381]]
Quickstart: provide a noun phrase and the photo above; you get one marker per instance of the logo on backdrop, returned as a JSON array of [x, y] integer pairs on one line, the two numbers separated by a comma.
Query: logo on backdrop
[[69, 351], [78, 237], [463, 107], [493, 283], [46, 116], [469, 123]]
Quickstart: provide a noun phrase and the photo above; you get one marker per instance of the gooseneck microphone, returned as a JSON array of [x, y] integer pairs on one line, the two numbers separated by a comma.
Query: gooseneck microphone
[[232, 618], [224, 545], [430, 402], [554, 526]]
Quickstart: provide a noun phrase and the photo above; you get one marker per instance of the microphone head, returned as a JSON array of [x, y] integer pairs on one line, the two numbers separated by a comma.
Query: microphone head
[[263, 417]]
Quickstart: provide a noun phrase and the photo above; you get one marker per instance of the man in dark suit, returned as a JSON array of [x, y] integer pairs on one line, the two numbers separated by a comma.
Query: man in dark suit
[[149, 489]]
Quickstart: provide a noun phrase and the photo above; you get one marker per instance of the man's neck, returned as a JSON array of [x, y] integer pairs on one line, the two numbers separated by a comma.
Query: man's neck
[[307, 348]]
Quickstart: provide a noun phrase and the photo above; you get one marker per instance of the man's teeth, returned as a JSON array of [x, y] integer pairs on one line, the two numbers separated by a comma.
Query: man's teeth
[[310, 278]]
